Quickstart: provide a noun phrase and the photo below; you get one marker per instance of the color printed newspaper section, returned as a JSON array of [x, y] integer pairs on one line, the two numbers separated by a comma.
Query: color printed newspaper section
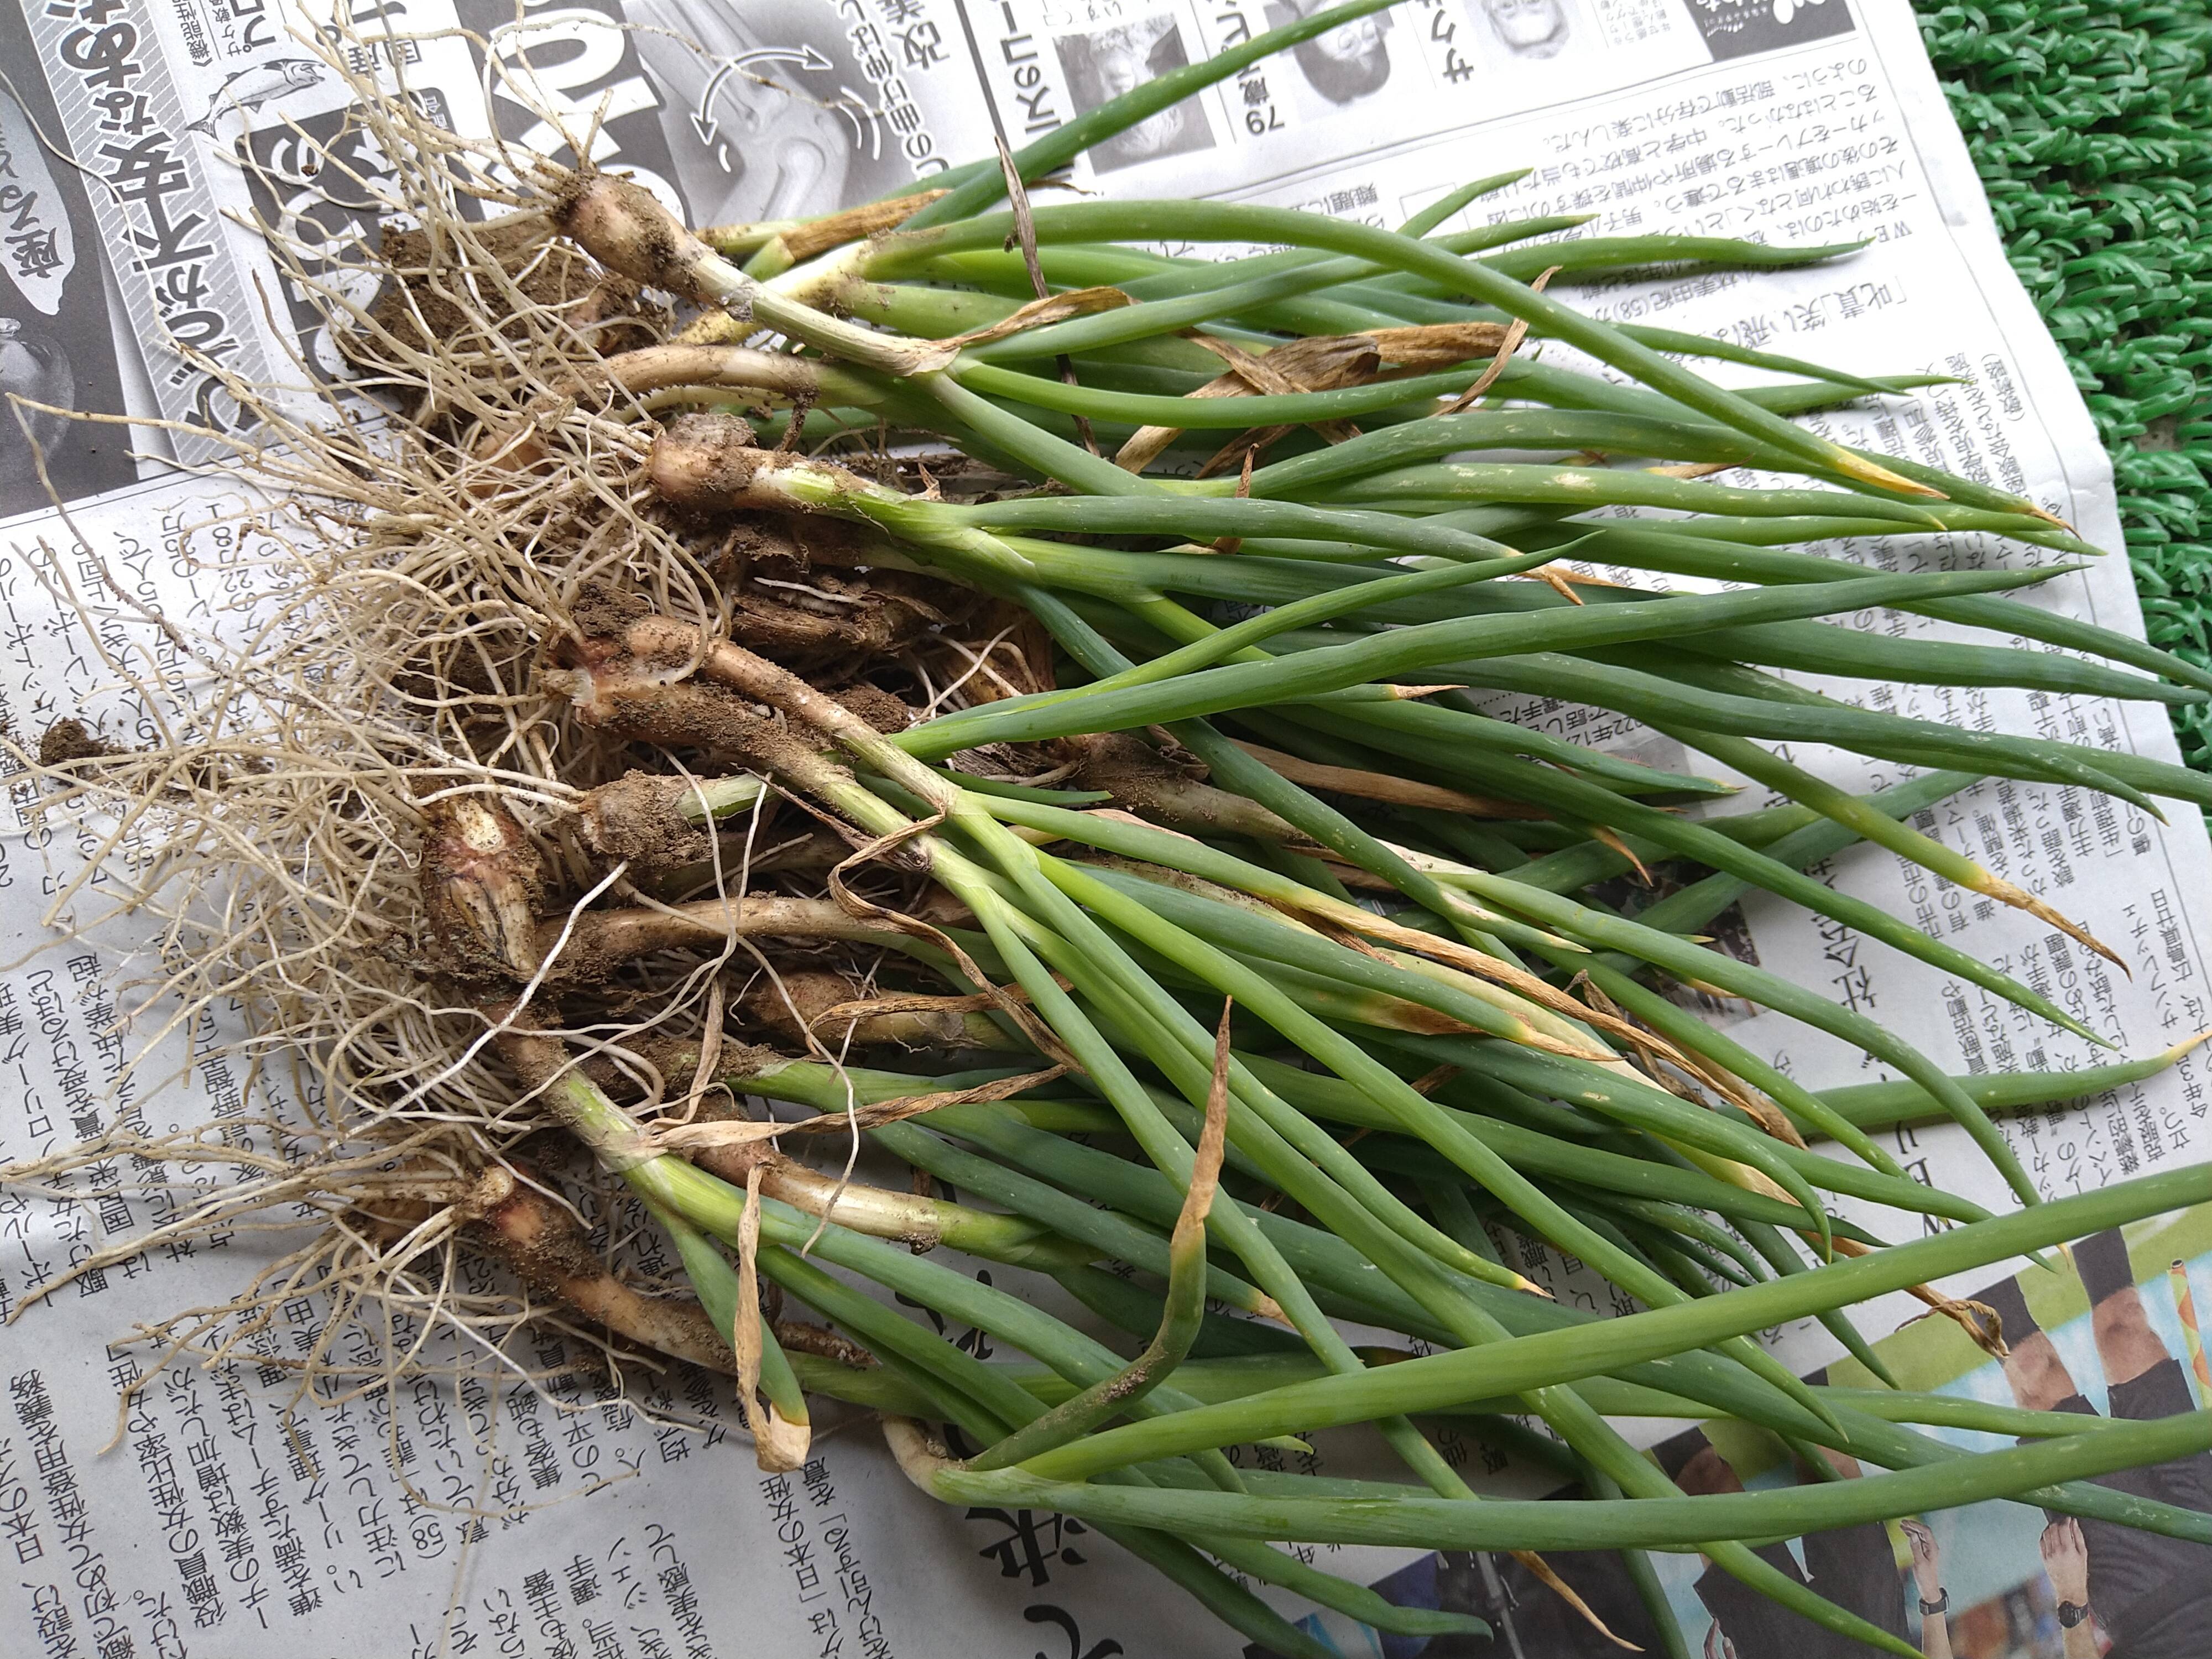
[[524, 1504]]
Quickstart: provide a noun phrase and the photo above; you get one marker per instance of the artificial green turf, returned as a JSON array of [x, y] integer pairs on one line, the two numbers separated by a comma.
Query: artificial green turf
[[2092, 129]]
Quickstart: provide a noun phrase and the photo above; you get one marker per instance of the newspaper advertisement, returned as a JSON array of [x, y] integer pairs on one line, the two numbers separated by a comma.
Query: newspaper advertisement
[[205, 1512]]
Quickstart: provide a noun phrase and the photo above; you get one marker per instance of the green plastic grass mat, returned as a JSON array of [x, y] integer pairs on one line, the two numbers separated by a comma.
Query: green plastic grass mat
[[2092, 129]]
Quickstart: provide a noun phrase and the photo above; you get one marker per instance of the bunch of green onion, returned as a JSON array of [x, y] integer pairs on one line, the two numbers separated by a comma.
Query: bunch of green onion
[[1239, 1104]]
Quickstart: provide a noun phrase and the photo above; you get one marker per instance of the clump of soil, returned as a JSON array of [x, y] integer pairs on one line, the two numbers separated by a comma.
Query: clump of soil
[[68, 740]]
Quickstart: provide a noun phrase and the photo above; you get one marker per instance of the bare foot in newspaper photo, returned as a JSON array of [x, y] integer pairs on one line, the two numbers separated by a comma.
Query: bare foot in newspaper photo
[[1109, 62]]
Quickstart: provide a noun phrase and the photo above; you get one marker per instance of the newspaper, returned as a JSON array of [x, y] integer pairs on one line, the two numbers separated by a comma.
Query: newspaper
[[453, 1516]]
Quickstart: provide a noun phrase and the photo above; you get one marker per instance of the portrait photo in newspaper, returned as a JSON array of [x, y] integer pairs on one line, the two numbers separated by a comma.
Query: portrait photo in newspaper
[[1531, 31], [1106, 62], [1346, 65]]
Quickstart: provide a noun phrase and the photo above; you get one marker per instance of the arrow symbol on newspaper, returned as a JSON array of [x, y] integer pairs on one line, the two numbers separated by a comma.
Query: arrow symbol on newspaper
[[702, 118]]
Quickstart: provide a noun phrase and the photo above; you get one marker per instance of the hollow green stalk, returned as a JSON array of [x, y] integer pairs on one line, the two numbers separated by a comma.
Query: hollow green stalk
[[1456, 482], [1539, 1154], [1902, 1102], [1417, 1115], [1575, 1351], [1630, 689], [1073, 1220], [1412, 649], [1292, 960], [1014, 934], [1179, 1320], [1576, 801], [714, 1282], [1424, 1523], [1697, 550], [1234, 769], [1582, 1429], [1575, 798], [1452, 201], [1226, 221], [1812, 1114], [1588, 1432], [914, 1356]]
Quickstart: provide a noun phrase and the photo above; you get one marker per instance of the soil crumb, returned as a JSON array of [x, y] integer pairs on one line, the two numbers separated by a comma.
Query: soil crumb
[[68, 740]]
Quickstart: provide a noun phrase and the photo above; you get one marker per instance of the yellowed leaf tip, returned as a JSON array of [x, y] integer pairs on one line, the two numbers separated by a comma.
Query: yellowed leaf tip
[[2187, 1045], [1874, 473]]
